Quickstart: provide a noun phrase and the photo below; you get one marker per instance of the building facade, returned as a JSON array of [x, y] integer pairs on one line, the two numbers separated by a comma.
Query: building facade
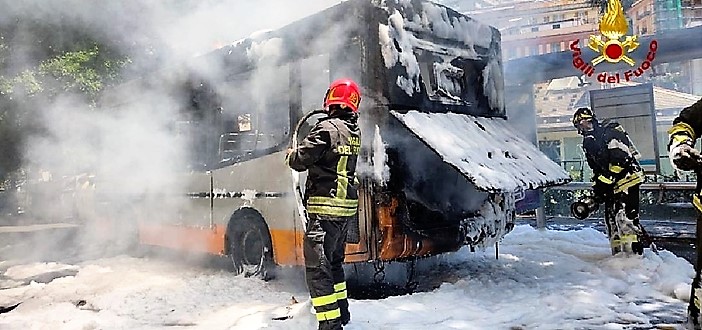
[[534, 28]]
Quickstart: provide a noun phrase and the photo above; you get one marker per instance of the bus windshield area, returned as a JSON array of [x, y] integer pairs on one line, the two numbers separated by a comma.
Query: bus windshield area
[[450, 79]]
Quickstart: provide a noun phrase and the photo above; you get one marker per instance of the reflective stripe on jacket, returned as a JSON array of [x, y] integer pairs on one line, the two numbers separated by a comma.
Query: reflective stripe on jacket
[[612, 157], [686, 129]]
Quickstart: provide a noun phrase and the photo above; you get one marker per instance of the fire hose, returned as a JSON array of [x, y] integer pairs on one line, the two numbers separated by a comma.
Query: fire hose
[[583, 208], [299, 197]]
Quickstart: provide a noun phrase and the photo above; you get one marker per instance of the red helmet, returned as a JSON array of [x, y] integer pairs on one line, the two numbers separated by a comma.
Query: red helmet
[[344, 92]]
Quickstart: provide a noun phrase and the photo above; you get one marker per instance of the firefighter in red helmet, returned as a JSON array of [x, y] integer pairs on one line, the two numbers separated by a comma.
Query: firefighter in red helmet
[[329, 152]]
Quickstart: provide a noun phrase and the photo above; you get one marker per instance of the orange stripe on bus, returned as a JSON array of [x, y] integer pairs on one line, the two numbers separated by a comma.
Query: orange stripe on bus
[[183, 238], [287, 244], [287, 247]]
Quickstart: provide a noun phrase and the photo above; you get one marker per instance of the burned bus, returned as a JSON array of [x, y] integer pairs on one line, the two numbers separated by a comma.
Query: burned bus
[[440, 164]]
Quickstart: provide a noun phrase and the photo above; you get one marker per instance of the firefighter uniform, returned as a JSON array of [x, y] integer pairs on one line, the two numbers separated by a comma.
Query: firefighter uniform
[[685, 131], [329, 153], [617, 176]]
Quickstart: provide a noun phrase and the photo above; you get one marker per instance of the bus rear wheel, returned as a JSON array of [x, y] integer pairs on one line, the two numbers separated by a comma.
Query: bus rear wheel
[[250, 248]]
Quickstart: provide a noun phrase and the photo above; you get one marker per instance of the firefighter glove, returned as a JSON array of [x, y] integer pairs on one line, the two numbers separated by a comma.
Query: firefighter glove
[[685, 158]]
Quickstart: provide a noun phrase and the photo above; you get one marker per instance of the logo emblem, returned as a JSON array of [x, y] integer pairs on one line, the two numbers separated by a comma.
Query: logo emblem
[[613, 25], [353, 98], [613, 46]]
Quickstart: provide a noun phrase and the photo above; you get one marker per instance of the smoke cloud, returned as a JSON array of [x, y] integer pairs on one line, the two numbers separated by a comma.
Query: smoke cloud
[[115, 157]]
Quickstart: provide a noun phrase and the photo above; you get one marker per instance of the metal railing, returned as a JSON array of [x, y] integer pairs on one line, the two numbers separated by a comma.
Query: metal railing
[[668, 201], [644, 186]]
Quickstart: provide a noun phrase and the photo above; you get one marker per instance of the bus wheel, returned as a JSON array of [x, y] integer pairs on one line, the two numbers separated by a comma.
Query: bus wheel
[[250, 248]]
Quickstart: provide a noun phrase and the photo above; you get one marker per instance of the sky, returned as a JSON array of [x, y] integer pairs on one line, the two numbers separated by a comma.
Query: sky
[[542, 279]]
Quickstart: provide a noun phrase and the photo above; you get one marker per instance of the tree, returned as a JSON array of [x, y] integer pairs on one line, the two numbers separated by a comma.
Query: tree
[[84, 71]]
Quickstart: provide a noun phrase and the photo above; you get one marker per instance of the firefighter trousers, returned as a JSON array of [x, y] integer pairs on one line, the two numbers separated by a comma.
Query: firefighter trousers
[[324, 255], [624, 230], [693, 310]]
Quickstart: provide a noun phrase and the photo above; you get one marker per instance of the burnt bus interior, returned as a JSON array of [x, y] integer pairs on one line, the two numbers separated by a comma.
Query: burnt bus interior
[[241, 103], [226, 124]]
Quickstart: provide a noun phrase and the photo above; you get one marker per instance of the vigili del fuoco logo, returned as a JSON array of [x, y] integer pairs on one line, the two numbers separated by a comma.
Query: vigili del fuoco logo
[[611, 48]]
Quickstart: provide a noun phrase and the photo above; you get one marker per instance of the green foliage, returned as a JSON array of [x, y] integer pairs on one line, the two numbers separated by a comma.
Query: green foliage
[[85, 72], [82, 71], [25, 83]]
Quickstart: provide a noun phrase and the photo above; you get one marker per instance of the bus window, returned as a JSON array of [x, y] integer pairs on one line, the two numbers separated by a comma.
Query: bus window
[[452, 80], [239, 140], [200, 125], [256, 114], [272, 116], [315, 78]]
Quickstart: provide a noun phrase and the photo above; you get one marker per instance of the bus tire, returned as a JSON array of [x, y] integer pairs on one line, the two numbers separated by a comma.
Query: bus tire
[[250, 247]]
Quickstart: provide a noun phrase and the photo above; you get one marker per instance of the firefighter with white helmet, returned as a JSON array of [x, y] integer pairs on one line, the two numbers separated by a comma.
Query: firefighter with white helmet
[[329, 152]]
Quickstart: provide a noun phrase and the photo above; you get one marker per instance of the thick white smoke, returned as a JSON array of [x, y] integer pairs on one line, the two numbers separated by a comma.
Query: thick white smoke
[[115, 157]]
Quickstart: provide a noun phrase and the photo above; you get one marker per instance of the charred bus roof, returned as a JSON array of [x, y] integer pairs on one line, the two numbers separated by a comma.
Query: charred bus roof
[[406, 54]]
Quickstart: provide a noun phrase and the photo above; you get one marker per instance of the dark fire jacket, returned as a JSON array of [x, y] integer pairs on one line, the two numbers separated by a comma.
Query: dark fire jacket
[[329, 152], [686, 129], [612, 157]]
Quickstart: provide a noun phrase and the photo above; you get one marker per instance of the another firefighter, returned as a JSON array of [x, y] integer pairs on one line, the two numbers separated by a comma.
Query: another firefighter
[[329, 153], [683, 156], [617, 176]]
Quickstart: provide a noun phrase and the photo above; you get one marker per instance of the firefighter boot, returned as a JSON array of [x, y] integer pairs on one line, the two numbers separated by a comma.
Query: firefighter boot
[[630, 233]]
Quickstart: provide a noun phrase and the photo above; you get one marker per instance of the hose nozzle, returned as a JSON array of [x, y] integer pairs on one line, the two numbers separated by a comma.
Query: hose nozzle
[[583, 208]]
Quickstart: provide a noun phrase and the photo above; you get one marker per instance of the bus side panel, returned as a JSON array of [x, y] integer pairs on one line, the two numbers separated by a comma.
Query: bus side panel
[[360, 252], [264, 184], [187, 207]]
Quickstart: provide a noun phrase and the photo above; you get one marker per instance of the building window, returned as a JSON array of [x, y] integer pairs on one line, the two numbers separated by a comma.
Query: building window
[[552, 149], [535, 29], [555, 47], [556, 26]]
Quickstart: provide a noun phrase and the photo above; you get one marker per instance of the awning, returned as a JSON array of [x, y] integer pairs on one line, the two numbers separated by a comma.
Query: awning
[[485, 150]]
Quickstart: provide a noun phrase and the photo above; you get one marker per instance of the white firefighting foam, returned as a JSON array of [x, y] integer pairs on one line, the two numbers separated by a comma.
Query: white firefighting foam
[[494, 84], [395, 32], [496, 216], [381, 171], [543, 279], [485, 150], [398, 41]]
